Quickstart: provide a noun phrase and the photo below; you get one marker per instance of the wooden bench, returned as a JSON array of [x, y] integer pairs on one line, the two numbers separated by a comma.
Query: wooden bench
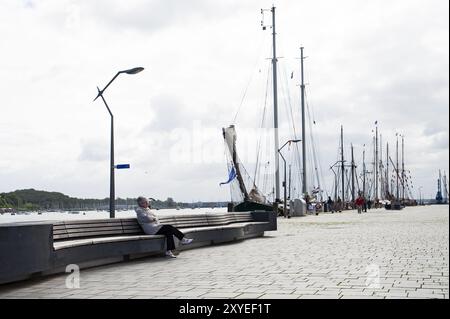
[[102, 241]]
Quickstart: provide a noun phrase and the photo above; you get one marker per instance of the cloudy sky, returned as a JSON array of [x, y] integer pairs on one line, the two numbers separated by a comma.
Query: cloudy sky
[[368, 61]]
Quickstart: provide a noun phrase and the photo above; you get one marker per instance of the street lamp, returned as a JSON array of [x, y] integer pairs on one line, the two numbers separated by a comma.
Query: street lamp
[[284, 183], [111, 180]]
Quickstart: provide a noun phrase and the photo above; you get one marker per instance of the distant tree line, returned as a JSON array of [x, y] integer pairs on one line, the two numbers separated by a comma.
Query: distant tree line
[[31, 199]]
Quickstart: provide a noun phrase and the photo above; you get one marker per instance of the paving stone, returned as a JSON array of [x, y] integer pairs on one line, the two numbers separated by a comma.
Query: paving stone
[[314, 297], [425, 295], [249, 296], [278, 296]]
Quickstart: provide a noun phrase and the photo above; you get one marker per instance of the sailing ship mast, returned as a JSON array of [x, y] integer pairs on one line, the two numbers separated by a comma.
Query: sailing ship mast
[[342, 164], [275, 105], [302, 86], [439, 192], [396, 169], [387, 171], [364, 171], [353, 176], [382, 191], [376, 164], [403, 168], [445, 189]]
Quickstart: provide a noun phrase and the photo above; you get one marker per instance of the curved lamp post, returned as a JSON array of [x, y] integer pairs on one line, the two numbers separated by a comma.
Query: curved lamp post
[[112, 195], [284, 183]]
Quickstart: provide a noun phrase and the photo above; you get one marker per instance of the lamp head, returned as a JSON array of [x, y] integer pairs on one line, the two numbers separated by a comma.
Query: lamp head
[[133, 71]]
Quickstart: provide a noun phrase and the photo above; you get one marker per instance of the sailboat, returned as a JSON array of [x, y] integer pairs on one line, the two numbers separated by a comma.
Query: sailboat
[[396, 203], [252, 196], [442, 194], [253, 199], [445, 189]]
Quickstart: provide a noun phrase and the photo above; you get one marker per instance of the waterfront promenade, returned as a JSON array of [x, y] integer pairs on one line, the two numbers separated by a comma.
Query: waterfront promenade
[[379, 254]]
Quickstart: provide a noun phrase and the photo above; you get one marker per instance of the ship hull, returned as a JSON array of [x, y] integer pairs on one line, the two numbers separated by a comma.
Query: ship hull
[[248, 206]]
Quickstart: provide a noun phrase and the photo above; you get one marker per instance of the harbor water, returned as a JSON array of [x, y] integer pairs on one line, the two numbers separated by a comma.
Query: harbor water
[[65, 215]]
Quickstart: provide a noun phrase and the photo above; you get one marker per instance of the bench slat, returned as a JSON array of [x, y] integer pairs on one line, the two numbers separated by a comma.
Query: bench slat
[[56, 237], [94, 229], [91, 221], [86, 226], [94, 233], [59, 232]]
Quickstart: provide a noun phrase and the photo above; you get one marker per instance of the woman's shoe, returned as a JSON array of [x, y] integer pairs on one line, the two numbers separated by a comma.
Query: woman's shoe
[[170, 254], [186, 241]]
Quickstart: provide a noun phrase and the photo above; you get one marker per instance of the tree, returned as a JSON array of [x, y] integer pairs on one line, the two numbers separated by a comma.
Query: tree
[[170, 202], [3, 202]]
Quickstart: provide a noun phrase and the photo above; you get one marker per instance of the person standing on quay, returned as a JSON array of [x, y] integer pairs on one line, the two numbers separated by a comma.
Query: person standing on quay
[[330, 205], [369, 204], [365, 204], [339, 205], [359, 203]]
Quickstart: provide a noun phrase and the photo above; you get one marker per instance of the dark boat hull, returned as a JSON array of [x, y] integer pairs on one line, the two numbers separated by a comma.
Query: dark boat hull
[[252, 206], [394, 206]]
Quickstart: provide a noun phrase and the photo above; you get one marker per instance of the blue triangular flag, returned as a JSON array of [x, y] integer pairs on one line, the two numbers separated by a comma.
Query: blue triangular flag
[[231, 176]]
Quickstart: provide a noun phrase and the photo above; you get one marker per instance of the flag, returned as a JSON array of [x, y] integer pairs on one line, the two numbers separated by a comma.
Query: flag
[[376, 122], [231, 176], [292, 75]]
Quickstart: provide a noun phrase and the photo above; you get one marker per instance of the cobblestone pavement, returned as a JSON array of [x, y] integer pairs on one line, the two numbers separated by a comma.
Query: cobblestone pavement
[[380, 254]]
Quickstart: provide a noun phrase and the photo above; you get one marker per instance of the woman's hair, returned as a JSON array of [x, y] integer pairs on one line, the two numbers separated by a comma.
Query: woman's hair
[[141, 198]]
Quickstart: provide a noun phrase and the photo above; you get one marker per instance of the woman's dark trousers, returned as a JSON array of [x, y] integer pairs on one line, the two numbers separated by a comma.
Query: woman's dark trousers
[[169, 231]]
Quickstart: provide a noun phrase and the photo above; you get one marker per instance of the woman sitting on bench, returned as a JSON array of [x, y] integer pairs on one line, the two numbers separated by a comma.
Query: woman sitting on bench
[[151, 226]]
